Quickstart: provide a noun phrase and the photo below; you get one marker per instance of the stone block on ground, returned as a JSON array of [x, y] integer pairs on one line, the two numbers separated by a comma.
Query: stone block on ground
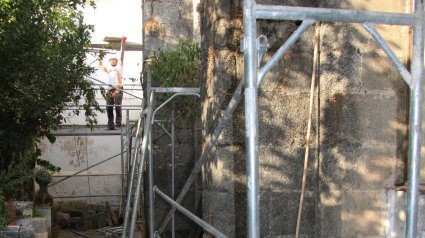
[[61, 219], [87, 219], [111, 213], [92, 207], [12, 231], [74, 219], [76, 213], [42, 235], [93, 219], [101, 220], [101, 208], [108, 219], [39, 224]]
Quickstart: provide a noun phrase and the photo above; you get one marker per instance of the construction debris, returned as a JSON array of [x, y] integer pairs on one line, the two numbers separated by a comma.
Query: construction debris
[[111, 231]]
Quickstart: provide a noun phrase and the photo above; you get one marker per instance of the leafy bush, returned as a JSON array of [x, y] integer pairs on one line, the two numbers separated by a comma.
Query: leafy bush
[[42, 175], [3, 222], [178, 68]]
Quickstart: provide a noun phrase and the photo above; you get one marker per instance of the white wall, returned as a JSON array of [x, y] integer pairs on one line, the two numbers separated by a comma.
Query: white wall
[[115, 18], [74, 153]]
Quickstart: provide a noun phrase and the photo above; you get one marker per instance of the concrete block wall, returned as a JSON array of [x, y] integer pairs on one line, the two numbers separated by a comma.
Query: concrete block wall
[[358, 142]]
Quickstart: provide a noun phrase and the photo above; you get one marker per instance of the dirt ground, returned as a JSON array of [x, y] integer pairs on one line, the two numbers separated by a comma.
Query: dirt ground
[[66, 233]]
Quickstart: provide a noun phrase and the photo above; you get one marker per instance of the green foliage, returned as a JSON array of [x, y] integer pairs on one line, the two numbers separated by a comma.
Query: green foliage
[[21, 172], [43, 45], [17, 174], [42, 175], [36, 212], [164, 121], [5, 212], [178, 68], [32, 154], [3, 222]]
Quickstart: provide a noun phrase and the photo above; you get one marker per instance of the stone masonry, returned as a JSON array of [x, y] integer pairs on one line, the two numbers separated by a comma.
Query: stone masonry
[[358, 142], [165, 24]]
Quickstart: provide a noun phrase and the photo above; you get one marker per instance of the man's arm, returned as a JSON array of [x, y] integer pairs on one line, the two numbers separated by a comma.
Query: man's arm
[[122, 50], [103, 68]]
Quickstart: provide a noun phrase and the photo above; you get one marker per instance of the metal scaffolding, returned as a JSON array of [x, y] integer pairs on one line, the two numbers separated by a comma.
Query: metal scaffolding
[[146, 145], [251, 48], [254, 49], [128, 133]]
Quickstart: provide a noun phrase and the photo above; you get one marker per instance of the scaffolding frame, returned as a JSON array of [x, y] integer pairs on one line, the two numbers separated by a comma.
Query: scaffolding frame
[[145, 114], [254, 49], [146, 146], [253, 11]]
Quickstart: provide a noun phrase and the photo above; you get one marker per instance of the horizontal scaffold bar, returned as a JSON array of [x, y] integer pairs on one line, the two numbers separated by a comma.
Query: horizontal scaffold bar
[[274, 12], [123, 84], [70, 176], [81, 106], [85, 175], [192, 216], [176, 90], [124, 91], [92, 196], [99, 132]]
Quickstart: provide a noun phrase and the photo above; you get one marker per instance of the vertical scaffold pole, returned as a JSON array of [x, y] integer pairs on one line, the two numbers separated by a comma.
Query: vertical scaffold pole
[[122, 167], [127, 121], [151, 192], [415, 122], [137, 192], [251, 119], [173, 232]]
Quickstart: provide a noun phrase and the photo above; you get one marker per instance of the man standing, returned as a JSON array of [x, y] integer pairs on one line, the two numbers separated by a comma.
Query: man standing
[[115, 75]]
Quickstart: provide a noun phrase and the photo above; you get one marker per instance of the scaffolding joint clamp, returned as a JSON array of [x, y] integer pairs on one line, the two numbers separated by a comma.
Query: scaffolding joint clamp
[[243, 46], [262, 45], [153, 190]]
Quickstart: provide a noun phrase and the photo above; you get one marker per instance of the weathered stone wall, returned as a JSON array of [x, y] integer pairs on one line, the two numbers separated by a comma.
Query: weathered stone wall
[[357, 146], [185, 142], [165, 24]]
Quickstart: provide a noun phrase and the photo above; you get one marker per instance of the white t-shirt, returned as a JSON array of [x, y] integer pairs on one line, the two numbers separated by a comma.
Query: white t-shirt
[[113, 79]]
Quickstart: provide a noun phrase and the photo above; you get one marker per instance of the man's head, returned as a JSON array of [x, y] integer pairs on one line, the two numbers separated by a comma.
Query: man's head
[[113, 61]]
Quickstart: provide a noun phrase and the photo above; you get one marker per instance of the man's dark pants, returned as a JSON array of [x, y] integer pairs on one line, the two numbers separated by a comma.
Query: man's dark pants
[[110, 109]]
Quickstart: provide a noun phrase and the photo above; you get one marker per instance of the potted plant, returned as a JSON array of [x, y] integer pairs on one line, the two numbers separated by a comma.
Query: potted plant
[[43, 177]]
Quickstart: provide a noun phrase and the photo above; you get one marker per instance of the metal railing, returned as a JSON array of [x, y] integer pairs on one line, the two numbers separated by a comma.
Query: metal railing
[[253, 49]]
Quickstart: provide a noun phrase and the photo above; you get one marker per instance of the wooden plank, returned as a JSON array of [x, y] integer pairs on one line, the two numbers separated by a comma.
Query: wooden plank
[[129, 46]]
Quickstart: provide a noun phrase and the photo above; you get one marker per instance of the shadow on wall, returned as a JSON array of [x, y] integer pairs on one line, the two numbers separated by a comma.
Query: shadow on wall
[[357, 146]]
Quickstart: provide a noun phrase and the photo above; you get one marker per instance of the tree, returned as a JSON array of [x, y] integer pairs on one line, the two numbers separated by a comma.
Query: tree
[[43, 45]]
